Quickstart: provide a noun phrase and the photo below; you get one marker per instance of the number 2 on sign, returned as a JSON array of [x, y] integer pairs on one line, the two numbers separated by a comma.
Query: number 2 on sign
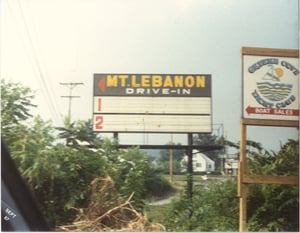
[[99, 122]]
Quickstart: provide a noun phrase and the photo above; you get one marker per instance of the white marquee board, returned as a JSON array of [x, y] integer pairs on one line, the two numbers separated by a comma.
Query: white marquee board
[[152, 103], [151, 123]]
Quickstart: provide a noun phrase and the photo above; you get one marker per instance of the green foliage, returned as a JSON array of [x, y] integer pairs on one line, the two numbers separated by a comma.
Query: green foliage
[[79, 132], [15, 102], [132, 172], [287, 160], [205, 139], [177, 155], [36, 139], [59, 176], [214, 207], [164, 167], [275, 207], [157, 213], [15, 105], [210, 139], [156, 185]]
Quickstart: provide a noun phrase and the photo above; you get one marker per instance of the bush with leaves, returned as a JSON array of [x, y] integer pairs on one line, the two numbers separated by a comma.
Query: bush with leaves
[[132, 171], [275, 207], [214, 207], [15, 110], [79, 132], [59, 176]]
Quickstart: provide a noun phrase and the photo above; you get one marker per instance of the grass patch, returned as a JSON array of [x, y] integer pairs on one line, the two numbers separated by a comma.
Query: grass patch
[[158, 213]]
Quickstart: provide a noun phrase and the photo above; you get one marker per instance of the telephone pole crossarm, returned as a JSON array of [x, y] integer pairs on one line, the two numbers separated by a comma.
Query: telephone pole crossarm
[[71, 86]]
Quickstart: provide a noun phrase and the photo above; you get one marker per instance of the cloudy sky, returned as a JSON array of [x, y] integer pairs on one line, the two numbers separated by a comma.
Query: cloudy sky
[[45, 42]]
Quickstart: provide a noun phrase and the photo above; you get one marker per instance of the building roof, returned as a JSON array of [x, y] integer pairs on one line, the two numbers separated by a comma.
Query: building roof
[[198, 154], [207, 159]]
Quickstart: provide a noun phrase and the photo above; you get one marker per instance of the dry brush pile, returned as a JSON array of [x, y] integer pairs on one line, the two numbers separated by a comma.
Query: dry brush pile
[[107, 212]]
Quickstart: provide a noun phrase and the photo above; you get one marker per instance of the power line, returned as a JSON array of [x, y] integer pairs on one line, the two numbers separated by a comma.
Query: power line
[[71, 86], [48, 92]]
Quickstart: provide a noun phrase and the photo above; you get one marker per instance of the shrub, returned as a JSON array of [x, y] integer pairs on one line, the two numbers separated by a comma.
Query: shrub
[[214, 207], [157, 186]]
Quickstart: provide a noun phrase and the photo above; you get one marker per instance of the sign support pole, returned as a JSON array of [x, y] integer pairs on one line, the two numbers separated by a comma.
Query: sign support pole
[[190, 176], [116, 136], [243, 187], [171, 160]]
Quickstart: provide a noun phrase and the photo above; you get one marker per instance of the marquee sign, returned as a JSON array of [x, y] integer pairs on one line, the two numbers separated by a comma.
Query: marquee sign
[[270, 86], [152, 103], [152, 85]]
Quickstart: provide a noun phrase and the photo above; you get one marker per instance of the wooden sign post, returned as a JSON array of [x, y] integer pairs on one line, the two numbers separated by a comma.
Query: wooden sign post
[[270, 97]]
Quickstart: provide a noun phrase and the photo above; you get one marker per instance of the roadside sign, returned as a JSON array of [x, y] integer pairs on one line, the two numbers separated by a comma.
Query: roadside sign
[[270, 97], [161, 103], [270, 85]]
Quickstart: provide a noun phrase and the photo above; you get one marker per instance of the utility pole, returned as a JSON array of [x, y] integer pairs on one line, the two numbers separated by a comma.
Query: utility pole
[[71, 86]]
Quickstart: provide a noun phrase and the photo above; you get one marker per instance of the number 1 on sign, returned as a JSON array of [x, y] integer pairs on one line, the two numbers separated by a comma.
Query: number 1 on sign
[[99, 104]]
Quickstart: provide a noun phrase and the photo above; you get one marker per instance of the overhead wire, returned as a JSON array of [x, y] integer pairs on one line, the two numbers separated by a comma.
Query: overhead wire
[[43, 80]]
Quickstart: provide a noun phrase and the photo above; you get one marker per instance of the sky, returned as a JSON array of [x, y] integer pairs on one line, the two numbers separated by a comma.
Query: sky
[[46, 42]]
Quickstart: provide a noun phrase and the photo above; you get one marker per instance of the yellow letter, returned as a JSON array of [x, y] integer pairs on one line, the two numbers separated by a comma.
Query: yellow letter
[[156, 81], [200, 81], [178, 81], [145, 81], [123, 79], [189, 81], [133, 81], [112, 80], [168, 81]]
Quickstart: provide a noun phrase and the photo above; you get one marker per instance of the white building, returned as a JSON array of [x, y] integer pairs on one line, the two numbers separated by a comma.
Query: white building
[[201, 163], [231, 166]]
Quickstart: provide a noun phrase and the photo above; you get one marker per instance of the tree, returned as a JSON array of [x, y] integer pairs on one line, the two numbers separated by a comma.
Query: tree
[[15, 110], [210, 139], [164, 161], [79, 132], [177, 154]]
